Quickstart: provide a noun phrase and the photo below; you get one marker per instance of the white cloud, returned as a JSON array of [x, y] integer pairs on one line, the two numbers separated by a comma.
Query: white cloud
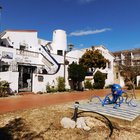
[[89, 32], [81, 45]]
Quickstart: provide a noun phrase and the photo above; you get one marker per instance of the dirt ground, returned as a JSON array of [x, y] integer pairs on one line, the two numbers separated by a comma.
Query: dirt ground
[[44, 124]]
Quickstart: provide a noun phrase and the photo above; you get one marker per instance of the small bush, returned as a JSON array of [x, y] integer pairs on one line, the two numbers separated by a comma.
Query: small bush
[[109, 86], [99, 80], [4, 89], [137, 87], [39, 92], [60, 84], [48, 88], [129, 86], [88, 84]]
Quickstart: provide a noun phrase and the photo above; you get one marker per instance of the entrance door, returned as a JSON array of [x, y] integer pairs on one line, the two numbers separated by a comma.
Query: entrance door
[[25, 77]]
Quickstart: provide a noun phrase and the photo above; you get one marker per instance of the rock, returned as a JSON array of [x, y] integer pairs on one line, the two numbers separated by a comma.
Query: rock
[[86, 128], [81, 124], [67, 123], [92, 122]]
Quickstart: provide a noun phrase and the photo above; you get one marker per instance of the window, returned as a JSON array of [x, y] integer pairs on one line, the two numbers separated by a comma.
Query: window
[[60, 52], [109, 65], [117, 75], [22, 47], [2, 44], [3, 67], [48, 51], [40, 78]]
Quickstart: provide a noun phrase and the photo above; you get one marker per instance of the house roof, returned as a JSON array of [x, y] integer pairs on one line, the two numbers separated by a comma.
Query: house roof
[[101, 46], [137, 50], [21, 30], [2, 34]]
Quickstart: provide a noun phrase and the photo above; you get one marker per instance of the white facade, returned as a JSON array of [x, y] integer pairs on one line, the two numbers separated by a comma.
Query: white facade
[[16, 38], [59, 42], [109, 67], [28, 62]]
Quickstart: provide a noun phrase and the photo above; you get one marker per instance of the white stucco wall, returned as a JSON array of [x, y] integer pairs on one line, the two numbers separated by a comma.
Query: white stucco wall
[[51, 79], [109, 69], [59, 41], [11, 77], [75, 54], [15, 38]]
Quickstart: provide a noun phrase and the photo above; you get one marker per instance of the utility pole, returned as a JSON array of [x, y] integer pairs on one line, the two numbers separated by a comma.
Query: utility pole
[[65, 65], [70, 46], [0, 18]]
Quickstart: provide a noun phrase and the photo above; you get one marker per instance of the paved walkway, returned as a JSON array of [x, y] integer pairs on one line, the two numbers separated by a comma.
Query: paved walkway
[[32, 101]]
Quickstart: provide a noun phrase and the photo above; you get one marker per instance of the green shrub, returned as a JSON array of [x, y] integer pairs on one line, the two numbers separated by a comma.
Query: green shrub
[[60, 84], [99, 80], [4, 88], [109, 86], [129, 86], [88, 84], [50, 88], [137, 87]]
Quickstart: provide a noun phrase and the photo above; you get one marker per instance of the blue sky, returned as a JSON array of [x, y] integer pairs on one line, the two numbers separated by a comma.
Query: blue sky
[[112, 23]]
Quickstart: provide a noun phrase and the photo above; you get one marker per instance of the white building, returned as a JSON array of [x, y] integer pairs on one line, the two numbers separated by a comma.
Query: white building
[[129, 58], [29, 63]]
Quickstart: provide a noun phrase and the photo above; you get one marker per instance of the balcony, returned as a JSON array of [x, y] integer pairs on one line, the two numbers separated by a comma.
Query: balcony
[[27, 53]]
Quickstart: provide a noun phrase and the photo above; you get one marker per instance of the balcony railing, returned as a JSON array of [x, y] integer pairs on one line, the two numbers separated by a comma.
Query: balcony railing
[[27, 53]]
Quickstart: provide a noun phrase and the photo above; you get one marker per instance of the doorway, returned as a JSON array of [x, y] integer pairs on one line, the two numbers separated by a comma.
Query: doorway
[[25, 78]]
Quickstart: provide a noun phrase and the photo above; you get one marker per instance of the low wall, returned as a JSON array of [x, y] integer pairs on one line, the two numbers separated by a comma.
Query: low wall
[[11, 77]]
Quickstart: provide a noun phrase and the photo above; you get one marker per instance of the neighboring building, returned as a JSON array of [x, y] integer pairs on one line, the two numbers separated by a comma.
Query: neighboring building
[[130, 56], [109, 66], [126, 57], [30, 63]]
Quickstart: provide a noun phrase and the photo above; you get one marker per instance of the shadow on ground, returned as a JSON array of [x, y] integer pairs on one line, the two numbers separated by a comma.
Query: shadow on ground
[[17, 129]]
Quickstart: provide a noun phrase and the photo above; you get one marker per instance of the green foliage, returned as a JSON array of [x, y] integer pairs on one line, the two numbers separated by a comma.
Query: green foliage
[[4, 88], [88, 84], [129, 86], [99, 80], [50, 88], [60, 84], [129, 71], [77, 74], [93, 59], [137, 87], [109, 86]]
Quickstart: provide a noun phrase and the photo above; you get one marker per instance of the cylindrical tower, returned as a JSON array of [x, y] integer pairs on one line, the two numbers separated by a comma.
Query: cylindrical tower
[[59, 42]]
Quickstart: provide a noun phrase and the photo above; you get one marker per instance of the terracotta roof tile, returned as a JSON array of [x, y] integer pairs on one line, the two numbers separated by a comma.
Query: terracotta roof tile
[[21, 30]]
